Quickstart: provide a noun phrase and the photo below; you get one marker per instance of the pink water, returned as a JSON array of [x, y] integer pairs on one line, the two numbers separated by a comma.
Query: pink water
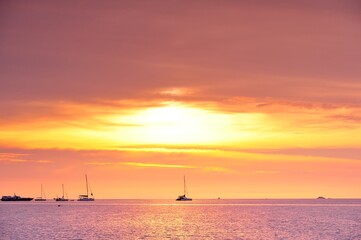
[[167, 219]]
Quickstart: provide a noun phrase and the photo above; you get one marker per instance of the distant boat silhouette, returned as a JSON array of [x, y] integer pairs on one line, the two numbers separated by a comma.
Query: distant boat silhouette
[[15, 198], [86, 197], [61, 199], [321, 197], [42, 193], [184, 196]]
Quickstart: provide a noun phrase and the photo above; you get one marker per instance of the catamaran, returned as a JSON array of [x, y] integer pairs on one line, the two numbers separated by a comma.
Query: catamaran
[[42, 193], [62, 199], [184, 196], [85, 197]]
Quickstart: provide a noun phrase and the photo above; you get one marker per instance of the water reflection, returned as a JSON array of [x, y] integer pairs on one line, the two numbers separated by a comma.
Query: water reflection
[[200, 219]]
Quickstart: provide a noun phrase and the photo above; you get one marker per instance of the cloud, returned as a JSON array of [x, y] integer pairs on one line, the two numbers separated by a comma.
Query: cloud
[[216, 169], [286, 71], [265, 172], [159, 165], [328, 153], [155, 165], [98, 163], [349, 118], [120, 50], [10, 155], [19, 158]]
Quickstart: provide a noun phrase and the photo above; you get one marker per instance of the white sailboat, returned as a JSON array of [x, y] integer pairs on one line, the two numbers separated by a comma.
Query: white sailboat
[[85, 197], [184, 196], [62, 199], [42, 193]]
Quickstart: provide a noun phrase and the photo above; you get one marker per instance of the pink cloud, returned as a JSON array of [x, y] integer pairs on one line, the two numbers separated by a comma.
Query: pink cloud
[[117, 50]]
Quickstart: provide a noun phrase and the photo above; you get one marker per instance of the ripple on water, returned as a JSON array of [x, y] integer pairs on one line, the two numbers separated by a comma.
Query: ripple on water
[[202, 219]]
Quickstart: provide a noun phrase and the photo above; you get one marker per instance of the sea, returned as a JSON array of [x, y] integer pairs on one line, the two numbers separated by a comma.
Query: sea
[[167, 219]]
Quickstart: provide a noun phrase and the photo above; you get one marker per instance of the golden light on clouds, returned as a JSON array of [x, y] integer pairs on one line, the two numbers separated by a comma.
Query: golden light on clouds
[[174, 124], [177, 92], [155, 165], [177, 123], [170, 123]]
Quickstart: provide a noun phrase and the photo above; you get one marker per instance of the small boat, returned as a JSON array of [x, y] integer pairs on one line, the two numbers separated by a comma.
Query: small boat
[[85, 197], [184, 196], [42, 193], [15, 198], [61, 199]]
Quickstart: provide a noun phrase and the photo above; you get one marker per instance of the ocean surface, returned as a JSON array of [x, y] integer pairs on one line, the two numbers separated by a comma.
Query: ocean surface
[[168, 219]]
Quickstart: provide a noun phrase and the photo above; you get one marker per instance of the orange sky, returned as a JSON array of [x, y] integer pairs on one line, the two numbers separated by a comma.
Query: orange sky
[[248, 100]]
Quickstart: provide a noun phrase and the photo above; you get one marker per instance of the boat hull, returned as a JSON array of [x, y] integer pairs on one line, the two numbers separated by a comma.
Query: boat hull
[[86, 199], [61, 199], [15, 199], [183, 198], [40, 200]]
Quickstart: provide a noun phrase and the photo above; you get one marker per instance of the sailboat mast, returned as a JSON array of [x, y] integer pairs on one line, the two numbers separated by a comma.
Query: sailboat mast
[[63, 189], [86, 180], [184, 184], [42, 191]]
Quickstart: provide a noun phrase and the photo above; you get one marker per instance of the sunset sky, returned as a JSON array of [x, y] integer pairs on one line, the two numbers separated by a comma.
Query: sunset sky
[[248, 99]]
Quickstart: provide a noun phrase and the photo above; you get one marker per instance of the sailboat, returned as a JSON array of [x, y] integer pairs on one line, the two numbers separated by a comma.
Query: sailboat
[[42, 193], [184, 196], [61, 199], [85, 197]]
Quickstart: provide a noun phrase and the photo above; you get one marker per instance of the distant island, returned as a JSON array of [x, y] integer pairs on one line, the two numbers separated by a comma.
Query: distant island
[[320, 197]]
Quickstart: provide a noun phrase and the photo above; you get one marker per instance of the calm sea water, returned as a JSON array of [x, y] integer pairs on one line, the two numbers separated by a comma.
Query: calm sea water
[[167, 219]]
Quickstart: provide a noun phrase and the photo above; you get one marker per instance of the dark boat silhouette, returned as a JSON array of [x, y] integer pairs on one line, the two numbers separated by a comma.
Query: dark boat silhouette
[[15, 198], [62, 198], [184, 196], [42, 195], [86, 197]]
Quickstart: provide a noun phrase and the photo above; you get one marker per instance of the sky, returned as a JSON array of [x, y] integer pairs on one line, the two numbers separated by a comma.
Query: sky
[[247, 99]]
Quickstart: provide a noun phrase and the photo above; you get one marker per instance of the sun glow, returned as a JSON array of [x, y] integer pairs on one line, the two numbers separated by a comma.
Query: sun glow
[[172, 123], [175, 124]]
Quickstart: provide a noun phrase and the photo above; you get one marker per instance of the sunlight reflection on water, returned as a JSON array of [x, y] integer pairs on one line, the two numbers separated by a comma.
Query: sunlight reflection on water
[[167, 219]]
